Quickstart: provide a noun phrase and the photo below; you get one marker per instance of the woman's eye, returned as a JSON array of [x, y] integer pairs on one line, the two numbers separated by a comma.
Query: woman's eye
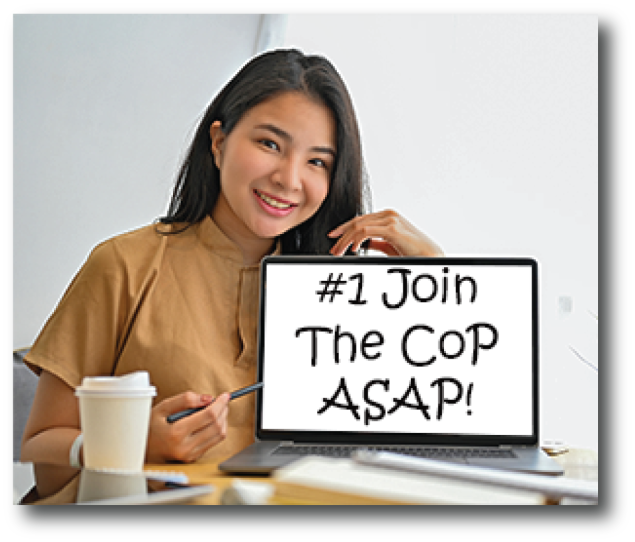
[[269, 144], [318, 162]]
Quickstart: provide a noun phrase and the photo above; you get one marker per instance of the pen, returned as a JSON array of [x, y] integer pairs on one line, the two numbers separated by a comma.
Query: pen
[[233, 395]]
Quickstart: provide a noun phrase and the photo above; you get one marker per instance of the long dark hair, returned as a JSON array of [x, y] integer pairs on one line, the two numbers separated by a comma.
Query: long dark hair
[[198, 182]]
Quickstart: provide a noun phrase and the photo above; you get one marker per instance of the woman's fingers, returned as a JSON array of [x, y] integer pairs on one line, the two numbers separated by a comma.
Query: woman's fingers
[[183, 401], [213, 428], [387, 231], [190, 437], [354, 232], [205, 429]]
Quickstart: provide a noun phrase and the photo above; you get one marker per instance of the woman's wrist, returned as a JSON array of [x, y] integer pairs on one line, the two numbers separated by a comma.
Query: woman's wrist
[[75, 457]]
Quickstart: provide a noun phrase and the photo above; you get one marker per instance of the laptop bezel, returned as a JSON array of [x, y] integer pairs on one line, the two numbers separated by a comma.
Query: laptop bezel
[[386, 438]]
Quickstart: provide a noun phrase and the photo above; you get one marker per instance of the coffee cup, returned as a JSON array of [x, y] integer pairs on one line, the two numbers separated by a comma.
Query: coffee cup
[[99, 485], [115, 416]]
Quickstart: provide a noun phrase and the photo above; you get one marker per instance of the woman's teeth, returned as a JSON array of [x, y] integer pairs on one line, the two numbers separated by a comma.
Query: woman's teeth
[[274, 203]]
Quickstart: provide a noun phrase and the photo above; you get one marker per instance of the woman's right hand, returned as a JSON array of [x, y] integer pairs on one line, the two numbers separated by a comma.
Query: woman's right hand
[[387, 231], [189, 438]]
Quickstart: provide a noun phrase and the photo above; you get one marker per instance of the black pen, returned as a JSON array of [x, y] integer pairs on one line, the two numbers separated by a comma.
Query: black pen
[[233, 395]]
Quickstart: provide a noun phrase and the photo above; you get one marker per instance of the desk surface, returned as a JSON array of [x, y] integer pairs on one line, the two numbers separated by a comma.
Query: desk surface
[[578, 464]]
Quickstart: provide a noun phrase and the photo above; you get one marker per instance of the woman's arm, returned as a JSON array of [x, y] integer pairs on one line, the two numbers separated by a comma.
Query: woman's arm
[[388, 232], [54, 424]]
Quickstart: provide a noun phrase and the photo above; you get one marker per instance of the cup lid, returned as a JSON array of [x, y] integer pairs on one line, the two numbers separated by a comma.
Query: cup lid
[[137, 383]]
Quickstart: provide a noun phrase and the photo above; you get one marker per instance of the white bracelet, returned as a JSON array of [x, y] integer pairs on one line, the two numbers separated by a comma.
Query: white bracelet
[[74, 455]]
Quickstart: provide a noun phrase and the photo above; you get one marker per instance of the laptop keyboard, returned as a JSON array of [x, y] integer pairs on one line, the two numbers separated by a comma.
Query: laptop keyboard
[[415, 451]]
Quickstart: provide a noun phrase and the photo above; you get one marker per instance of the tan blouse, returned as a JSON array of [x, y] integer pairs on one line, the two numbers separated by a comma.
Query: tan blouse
[[181, 306]]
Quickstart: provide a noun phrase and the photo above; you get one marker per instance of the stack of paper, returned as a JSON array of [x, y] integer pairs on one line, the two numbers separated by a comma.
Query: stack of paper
[[318, 480]]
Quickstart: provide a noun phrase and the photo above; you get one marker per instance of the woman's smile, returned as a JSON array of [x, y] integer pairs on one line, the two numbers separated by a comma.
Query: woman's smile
[[273, 205]]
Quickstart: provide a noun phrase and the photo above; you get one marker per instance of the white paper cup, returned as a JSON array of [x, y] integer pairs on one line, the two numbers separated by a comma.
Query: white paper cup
[[115, 416], [97, 485]]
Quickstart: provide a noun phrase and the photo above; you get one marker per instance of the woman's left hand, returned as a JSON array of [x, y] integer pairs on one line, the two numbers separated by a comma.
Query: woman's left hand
[[387, 231]]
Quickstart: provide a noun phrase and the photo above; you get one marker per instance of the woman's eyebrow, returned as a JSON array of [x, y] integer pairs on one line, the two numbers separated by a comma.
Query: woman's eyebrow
[[287, 137]]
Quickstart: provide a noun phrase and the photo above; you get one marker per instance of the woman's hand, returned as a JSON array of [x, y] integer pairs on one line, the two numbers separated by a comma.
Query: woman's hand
[[387, 231], [189, 438]]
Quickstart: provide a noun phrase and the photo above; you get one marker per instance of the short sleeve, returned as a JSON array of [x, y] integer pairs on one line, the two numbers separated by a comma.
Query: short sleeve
[[83, 335]]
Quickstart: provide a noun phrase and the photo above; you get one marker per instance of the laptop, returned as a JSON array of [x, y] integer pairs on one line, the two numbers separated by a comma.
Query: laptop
[[428, 357]]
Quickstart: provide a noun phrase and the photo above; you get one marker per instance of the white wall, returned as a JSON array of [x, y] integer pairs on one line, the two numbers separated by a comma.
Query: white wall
[[482, 131], [104, 107]]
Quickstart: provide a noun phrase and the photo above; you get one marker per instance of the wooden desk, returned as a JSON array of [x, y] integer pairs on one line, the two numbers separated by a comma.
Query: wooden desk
[[207, 473], [578, 464]]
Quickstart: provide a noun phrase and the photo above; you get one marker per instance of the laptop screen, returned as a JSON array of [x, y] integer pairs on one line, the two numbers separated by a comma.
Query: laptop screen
[[407, 350]]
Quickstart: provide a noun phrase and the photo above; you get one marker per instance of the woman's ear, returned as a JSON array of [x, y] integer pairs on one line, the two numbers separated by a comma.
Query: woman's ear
[[218, 138]]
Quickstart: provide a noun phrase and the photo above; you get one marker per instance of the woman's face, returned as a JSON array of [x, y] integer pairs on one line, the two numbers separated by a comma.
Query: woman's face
[[275, 166]]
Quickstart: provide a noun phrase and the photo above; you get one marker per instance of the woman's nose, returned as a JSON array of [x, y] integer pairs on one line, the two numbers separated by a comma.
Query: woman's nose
[[288, 174]]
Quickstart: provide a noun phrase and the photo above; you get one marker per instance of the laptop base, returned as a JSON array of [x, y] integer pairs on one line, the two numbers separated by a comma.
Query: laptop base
[[260, 458]]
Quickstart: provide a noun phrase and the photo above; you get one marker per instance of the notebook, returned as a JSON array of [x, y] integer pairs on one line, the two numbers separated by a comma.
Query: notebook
[[432, 357]]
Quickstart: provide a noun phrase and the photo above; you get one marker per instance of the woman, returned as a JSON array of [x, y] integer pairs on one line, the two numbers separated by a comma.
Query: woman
[[274, 167]]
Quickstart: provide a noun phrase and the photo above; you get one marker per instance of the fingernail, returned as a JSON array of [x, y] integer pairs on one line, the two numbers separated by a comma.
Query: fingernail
[[206, 398]]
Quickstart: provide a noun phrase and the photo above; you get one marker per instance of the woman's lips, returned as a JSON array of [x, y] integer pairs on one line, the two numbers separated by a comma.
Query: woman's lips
[[274, 206]]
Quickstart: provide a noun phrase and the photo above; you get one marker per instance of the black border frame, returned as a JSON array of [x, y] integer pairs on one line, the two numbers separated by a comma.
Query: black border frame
[[387, 438]]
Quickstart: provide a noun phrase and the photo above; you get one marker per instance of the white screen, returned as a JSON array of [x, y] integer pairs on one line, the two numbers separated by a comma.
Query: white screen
[[423, 361]]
